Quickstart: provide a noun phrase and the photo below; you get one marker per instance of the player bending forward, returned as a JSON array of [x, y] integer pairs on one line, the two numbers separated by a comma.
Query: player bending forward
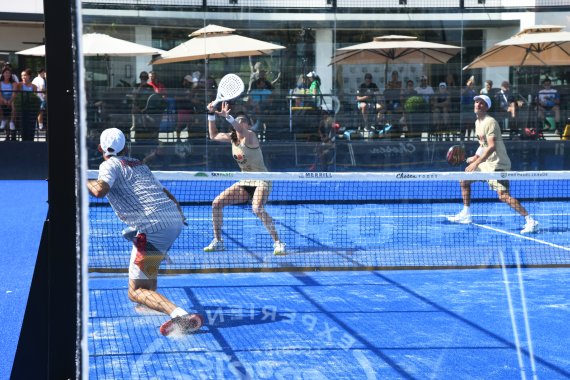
[[490, 157], [154, 220]]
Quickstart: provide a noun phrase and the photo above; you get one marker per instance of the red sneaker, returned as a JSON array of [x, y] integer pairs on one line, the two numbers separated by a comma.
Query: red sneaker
[[183, 324]]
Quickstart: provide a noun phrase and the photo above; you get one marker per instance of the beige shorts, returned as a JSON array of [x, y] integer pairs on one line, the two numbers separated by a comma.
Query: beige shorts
[[495, 184], [149, 249]]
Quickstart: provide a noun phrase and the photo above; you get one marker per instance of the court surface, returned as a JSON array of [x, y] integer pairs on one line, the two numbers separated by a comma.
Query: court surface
[[439, 324], [296, 323]]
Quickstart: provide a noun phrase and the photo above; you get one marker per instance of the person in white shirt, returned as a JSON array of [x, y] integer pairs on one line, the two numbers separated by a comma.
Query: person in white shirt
[[548, 102], [40, 82], [425, 90], [154, 219]]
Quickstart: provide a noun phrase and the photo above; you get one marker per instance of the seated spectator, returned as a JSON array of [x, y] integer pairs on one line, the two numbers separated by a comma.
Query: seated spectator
[[395, 82], [425, 90], [548, 102], [367, 102], [392, 94], [506, 108], [408, 91]]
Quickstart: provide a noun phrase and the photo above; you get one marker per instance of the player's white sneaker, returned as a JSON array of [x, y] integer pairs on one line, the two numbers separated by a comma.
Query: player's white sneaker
[[215, 245], [462, 218], [183, 324], [530, 227], [279, 248]]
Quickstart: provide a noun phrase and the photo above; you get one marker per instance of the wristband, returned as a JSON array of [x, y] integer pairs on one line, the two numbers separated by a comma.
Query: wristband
[[230, 119], [211, 117]]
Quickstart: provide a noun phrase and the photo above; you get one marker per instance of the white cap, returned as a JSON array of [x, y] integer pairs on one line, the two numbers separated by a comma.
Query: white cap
[[112, 141], [443, 84], [484, 98], [311, 74], [188, 78], [423, 77]]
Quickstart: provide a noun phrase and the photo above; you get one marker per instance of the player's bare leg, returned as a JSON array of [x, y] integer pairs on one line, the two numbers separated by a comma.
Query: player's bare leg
[[144, 292]]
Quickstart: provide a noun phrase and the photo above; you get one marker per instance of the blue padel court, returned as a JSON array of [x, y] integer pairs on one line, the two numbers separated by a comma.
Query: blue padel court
[[369, 289], [438, 324]]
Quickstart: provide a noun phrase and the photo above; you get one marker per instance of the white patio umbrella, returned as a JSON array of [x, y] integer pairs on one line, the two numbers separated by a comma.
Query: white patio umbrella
[[540, 45], [98, 44], [103, 45], [213, 42], [395, 49]]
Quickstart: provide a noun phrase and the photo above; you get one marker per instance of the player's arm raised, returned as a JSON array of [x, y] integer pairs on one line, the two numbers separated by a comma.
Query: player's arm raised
[[213, 132]]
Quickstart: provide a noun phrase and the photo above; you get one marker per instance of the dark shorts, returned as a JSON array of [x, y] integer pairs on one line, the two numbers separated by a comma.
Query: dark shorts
[[250, 190]]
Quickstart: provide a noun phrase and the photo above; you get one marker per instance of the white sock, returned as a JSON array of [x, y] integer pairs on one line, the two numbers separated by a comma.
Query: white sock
[[465, 210], [178, 312], [41, 126], [529, 218]]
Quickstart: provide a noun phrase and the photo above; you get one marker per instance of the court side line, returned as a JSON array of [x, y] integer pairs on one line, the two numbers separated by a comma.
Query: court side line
[[525, 316], [522, 237], [514, 326]]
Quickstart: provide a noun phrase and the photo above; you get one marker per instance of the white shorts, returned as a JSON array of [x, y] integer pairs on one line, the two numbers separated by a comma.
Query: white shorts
[[149, 250]]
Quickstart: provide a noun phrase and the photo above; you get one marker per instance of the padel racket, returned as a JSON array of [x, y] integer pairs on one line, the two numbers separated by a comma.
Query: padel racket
[[455, 155], [230, 87]]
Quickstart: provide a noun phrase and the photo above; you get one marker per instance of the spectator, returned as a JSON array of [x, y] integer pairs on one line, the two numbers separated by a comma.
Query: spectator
[[27, 106], [184, 105], [548, 103], [258, 101], [395, 82], [140, 97], [367, 102], [408, 91], [7, 96], [491, 92], [258, 71], [506, 108], [14, 76], [40, 82], [326, 150], [425, 90], [392, 93], [158, 86], [441, 107], [315, 88], [467, 116]]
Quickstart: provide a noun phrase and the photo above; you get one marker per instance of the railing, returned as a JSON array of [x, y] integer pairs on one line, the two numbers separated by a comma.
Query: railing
[[23, 117]]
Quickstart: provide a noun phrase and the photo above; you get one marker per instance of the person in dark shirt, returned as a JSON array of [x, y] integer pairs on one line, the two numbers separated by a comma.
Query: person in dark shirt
[[366, 98]]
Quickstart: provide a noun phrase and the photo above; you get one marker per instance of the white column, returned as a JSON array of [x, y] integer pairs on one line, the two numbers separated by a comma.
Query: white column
[[143, 36], [323, 54]]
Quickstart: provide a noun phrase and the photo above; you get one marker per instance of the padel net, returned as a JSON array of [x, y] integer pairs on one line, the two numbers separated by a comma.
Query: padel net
[[344, 221]]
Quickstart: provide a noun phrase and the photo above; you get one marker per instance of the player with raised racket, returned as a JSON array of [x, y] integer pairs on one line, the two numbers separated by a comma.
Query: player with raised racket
[[491, 157]]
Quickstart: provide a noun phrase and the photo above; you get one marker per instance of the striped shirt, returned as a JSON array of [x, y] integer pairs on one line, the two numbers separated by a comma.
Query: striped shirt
[[136, 196]]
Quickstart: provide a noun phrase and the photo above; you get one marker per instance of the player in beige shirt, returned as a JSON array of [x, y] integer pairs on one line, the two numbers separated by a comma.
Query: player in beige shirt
[[247, 153], [492, 156]]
